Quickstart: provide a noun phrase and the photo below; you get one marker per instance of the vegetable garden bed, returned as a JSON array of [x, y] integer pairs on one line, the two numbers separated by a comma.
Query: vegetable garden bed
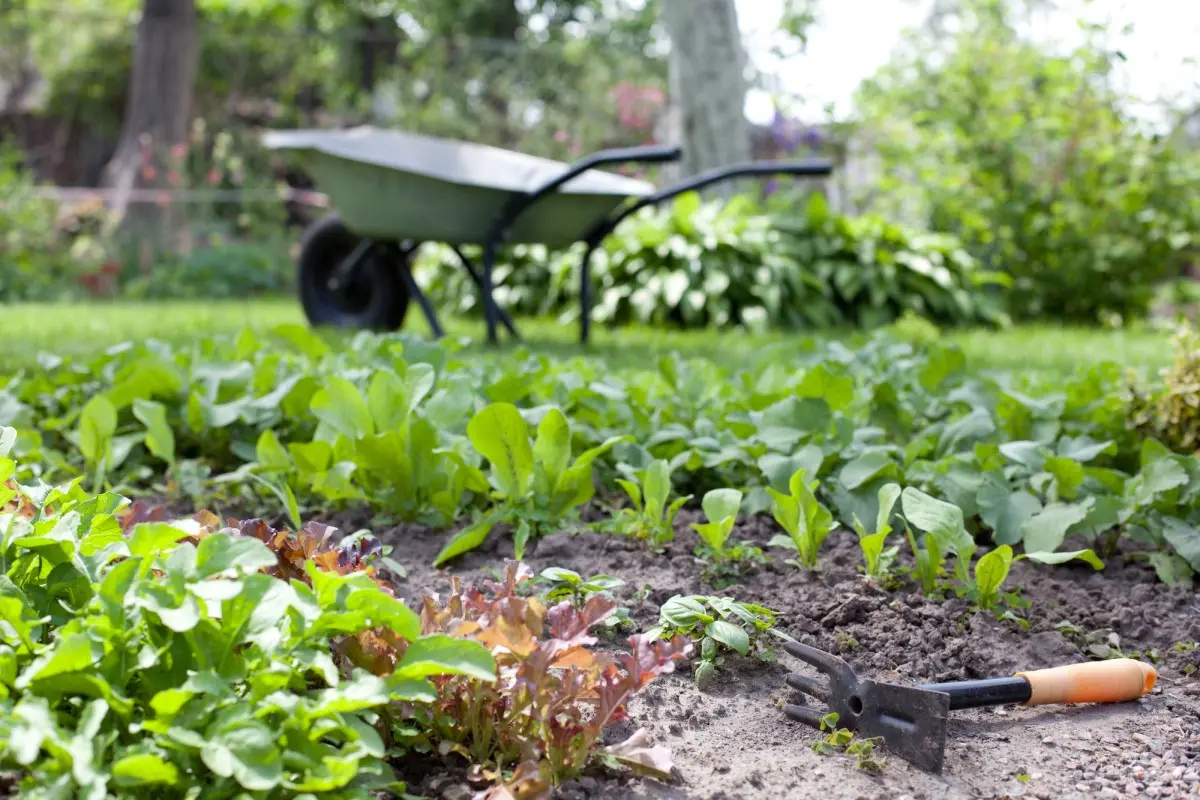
[[623, 535]]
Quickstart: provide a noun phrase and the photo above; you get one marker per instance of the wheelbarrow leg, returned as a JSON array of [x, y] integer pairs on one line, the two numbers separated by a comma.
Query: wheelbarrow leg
[[585, 291], [503, 314], [405, 253], [485, 287]]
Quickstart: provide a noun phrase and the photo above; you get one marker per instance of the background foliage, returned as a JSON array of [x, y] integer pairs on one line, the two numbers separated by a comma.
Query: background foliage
[[1033, 159]]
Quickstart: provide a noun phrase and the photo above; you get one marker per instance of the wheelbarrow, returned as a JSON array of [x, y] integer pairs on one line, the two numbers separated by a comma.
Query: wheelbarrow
[[394, 191]]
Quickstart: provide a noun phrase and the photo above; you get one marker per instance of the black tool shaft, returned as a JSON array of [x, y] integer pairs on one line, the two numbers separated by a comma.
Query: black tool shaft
[[988, 692]]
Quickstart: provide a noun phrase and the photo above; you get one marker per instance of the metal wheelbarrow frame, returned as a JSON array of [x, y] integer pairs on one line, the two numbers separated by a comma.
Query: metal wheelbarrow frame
[[501, 196]]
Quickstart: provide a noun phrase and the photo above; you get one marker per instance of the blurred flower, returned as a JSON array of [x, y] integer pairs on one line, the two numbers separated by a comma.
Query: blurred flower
[[638, 106]]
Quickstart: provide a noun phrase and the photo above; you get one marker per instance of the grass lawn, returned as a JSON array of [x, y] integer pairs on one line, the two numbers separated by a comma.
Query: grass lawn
[[84, 329]]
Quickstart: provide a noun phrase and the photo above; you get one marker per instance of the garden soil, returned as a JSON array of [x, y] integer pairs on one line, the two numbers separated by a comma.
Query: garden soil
[[733, 741]]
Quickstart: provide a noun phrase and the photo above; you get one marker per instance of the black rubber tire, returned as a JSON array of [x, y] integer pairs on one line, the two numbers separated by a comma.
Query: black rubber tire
[[380, 295]]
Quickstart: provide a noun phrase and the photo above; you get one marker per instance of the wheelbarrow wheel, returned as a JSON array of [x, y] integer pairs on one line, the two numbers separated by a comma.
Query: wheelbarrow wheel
[[373, 294]]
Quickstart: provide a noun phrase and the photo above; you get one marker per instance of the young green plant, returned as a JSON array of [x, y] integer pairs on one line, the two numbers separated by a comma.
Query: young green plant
[[722, 562], [879, 560], [806, 521], [650, 519], [535, 485], [564, 584], [720, 625]]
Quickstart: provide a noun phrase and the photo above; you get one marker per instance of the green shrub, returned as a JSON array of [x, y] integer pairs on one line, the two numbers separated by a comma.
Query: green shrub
[[1028, 156], [700, 264], [34, 264]]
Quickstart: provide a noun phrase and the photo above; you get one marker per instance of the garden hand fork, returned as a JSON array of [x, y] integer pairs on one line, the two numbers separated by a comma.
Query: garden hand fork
[[911, 720]]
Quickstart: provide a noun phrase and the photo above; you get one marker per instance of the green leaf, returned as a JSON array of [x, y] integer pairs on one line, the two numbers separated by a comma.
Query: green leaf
[[941, 520], [1046, 530], [835, 388], [1005, 511], [341, 406], [73, 651], [552, 448], [145, 769], [149, 539], [466, 540], [97, 424], [1068, 474], [8, 437], [383, 610], [160, 440], [657, 488], [778, 469], [990, 572], [888, 495], [439, 654], [223, 554], [1064, 557], [1184, 539], [244, 750], [720, 504], [727, 633], [270, 454], [500, 435], [863, 469]]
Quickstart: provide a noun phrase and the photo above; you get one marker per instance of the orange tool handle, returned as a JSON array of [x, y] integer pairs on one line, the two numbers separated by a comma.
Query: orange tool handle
[[1113, 681]]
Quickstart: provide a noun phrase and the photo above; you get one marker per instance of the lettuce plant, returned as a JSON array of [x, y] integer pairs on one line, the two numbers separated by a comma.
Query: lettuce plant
[[535, 484], [721, 561], [879, 560], [650, 519], [147, 657], [806, 521], [564, 584], [553, 695]]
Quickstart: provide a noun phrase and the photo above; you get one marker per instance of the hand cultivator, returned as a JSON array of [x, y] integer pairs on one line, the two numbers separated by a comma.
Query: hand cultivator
[[911, 720], [394, 191]]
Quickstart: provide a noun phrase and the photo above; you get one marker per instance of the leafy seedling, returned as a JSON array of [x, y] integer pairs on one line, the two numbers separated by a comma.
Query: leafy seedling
[[722, 563], [564, 584], [806, 521], [535, 485], [878, 559], [650, 519], [720, 625], [843, 740]]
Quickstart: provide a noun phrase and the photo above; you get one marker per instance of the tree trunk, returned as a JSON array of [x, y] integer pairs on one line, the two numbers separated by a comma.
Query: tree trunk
[[708, 86], [157, 118]]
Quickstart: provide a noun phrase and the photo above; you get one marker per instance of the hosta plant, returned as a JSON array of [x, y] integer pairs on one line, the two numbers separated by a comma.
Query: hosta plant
[[720, 625], [540, 721]]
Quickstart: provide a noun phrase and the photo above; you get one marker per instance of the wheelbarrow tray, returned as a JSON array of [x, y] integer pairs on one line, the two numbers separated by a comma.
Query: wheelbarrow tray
[[395, 186]]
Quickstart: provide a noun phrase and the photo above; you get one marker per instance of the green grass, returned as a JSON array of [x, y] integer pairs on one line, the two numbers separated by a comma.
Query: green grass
[[81, 330]]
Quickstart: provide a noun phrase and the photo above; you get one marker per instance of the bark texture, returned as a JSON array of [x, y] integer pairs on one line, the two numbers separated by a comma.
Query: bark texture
[[708, 85], [157, 116]]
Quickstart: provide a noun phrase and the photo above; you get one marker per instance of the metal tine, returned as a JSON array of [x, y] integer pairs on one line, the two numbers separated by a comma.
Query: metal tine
[[831, 665], [803, 714], [810, 686]]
